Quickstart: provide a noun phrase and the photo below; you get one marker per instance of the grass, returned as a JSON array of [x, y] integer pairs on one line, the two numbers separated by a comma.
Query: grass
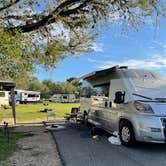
[[31, 112], [7, 148]]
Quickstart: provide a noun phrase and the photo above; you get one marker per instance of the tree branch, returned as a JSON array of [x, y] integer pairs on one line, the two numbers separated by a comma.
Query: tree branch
[[51, 17], [23, 17], [9, 5]]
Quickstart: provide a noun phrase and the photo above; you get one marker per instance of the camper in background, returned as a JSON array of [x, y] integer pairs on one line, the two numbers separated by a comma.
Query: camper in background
[[30, 97], [4, 98], [63, 98], [24, 96], [128, 102]]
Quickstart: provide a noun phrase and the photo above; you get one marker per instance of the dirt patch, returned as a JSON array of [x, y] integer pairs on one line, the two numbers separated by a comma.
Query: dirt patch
[[38, 149], [10, 121]]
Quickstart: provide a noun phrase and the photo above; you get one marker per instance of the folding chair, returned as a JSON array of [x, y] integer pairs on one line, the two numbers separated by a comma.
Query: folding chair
[[72, 115]]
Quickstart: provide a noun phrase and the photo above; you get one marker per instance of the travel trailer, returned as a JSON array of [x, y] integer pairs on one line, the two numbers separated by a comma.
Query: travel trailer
[[129, 102], [63, 98], [24, 96], [4, 98]]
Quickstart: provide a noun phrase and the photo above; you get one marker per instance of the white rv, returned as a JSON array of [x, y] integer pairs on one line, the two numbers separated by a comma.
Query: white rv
[[24, 96], [63, 98], [4, 98], [130, 102]]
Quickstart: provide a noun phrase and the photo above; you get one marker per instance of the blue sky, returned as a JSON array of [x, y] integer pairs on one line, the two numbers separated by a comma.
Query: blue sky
[[143, 49]]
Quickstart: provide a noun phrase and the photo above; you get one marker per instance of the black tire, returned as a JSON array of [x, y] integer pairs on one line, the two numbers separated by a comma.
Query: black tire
[[126, 133]]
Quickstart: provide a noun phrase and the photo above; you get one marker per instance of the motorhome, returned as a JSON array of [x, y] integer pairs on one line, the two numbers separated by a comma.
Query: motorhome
[[4, 98], [63, 98], [24, 96], [130, 102]]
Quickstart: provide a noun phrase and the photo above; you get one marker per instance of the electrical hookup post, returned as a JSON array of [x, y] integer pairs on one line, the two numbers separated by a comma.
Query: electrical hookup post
[[13, 105]]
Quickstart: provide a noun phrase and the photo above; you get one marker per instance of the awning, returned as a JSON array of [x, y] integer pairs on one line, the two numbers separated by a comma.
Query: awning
[[102, 77], [7, 85]]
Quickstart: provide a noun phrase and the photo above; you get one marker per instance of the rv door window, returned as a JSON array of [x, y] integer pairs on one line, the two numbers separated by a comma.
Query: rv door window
[[2, 94]]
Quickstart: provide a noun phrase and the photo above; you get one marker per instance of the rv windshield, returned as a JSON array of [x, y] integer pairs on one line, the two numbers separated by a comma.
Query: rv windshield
[[145, 83], [144, 79]]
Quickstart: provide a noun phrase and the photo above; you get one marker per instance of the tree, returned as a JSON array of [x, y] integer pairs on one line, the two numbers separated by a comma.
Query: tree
[[22, 80], [40, 32], [65, 87], [35, 85]]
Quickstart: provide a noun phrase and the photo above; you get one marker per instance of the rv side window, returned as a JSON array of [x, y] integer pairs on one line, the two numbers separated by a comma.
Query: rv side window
[[88, 90], [64, 97], [102, 90], [2, 94], [31, 95]]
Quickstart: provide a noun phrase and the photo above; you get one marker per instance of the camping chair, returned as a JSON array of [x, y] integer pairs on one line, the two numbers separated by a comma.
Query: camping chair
[[73, 115]]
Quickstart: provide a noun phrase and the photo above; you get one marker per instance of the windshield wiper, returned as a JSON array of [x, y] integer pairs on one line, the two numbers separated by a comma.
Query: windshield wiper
[[142, 96], [153, 100], [161, 99]]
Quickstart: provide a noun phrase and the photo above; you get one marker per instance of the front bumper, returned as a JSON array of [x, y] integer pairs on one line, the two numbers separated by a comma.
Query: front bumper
[[151, 129]]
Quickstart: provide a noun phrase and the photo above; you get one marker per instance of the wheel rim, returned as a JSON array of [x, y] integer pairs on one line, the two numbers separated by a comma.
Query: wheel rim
[[125, 134]]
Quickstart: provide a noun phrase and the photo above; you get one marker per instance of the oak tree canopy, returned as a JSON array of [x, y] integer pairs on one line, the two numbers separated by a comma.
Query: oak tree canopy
[[44, 32]]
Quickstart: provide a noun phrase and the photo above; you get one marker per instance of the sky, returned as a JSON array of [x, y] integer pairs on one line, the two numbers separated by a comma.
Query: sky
[[143, 49]]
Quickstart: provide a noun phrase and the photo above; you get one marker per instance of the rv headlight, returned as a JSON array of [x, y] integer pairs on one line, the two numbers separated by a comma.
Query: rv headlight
[[146, 108]]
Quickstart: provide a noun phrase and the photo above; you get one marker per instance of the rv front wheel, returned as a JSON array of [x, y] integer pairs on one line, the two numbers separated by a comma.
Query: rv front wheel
[[126, 133]]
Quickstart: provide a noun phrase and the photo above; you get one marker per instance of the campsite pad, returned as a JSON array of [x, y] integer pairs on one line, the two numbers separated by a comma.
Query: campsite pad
[[77, 148]]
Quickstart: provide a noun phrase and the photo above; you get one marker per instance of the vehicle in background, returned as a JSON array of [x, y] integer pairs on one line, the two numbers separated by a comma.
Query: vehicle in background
[[63, 98], [4, 98], [24, 96], [130, 102]]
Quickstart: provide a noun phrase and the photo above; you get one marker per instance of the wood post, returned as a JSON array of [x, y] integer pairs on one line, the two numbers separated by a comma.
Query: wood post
[[13, 104]]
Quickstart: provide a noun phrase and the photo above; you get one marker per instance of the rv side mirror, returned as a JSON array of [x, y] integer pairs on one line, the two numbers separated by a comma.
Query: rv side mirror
[[119, 97]]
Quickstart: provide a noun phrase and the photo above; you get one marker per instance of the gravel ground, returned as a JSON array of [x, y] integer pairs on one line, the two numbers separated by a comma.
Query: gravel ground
[[37, 150]]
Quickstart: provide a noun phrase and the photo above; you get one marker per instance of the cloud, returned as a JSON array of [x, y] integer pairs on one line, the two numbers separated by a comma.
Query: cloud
[[92, 60], [97, 47], [155, 62]]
